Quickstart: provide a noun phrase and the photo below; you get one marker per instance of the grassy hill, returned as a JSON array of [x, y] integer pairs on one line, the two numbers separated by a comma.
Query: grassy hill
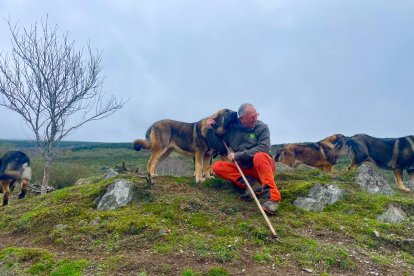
[[179, 228]]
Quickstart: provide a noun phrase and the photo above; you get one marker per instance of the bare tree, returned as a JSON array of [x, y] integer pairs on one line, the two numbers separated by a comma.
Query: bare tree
[[49, 83]]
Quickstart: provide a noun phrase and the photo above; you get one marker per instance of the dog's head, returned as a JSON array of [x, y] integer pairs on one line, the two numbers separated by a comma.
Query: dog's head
[[338, 142], [224, 118], [278, 154]]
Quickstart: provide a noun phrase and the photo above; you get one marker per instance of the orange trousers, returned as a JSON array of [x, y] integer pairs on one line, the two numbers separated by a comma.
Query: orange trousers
[[263, 169]]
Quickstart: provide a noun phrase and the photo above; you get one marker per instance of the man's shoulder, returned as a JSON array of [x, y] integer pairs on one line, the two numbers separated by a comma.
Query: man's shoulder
[[261, 125]]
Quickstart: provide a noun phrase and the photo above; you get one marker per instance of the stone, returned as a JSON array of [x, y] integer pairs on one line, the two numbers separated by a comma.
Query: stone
[[371, 181], [117, 195], [319, 197], [280, 167], [392, 215], [110, 173]]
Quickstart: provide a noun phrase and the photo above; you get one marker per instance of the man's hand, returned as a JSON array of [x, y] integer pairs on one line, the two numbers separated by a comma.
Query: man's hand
[[210, 122], [230, 156]]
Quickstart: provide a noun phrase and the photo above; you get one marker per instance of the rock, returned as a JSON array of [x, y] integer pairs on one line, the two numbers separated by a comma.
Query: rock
[[410, 185], [280, 167], [110, 173], [371, 181], [82, 181], [319, 197], [408, 245], [163, 232], [305, 167], [118, 194], [392, 215]]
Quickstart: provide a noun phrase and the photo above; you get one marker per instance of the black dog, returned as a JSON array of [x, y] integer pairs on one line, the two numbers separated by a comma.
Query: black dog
[[14, 166], [396, 154]]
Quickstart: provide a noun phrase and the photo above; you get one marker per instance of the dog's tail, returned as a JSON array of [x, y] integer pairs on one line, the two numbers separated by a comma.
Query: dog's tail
[[140, 143]]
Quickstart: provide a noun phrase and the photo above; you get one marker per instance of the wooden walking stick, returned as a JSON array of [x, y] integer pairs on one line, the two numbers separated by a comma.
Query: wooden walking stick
[[253, 194]]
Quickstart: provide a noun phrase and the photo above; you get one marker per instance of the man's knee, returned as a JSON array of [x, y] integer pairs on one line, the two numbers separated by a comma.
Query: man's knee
[[260, 156], [217, 167]]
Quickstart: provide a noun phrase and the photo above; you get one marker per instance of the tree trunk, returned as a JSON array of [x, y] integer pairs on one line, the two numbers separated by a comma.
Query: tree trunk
[[46, 173]]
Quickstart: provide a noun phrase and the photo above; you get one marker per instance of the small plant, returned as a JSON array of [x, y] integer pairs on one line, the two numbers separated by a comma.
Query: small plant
[[217, 271]]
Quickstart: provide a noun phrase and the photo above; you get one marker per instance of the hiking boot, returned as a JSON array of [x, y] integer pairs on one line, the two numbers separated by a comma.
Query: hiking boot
[[270, 207], [257, 188]]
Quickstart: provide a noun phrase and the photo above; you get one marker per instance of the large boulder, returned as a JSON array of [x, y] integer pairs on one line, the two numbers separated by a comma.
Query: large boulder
[[319, 197], [371, 181], [392, 215], [117, 195]]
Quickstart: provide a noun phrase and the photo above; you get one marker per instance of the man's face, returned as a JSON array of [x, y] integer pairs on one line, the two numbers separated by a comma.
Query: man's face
[[250, 118]]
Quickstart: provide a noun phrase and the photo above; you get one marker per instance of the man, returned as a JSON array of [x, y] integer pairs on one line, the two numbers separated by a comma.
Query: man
[[249, 139]]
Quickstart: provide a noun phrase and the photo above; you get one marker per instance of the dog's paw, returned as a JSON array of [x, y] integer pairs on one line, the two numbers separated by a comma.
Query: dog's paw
[[200, 180], [209, 176], [404, 189]]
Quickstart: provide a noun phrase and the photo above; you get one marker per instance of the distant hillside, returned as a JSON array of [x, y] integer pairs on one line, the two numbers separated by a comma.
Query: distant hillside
[[72, 145]]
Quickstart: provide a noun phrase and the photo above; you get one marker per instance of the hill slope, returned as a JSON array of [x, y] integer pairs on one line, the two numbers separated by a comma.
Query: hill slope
[[179, 228]]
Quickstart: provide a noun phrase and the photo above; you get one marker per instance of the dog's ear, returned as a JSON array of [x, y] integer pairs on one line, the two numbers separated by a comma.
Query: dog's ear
[[230, 117]]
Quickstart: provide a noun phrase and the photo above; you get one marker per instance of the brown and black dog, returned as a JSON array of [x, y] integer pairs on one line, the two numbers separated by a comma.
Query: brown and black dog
[[321, 155], [14, 166], [395, 154], [191, 139]]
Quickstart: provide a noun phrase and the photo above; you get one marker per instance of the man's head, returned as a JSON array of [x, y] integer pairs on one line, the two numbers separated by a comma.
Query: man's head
[[248, 115]]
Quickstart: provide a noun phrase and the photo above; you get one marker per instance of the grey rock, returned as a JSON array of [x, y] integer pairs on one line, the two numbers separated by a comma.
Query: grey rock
[[280, 167], [82, 181], [410, 185], [110, 173], [319, 197], [117, 195], [305, 167], [371, 181], [392, 215]]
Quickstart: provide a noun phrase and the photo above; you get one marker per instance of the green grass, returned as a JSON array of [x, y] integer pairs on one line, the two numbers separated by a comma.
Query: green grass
[[204, 223], [36, 261]]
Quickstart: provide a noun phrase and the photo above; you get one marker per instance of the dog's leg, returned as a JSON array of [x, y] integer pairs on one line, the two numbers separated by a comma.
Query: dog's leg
[[207, 166], [24, 183], [6, 191], [152, 166], [327, 167], [199, 166], [155, 159], [399, 181]]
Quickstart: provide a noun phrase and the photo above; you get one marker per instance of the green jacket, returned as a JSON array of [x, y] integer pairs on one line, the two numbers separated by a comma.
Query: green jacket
[[245, 142]]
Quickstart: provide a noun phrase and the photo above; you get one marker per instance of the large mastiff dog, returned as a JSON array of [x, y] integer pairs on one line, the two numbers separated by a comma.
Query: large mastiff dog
[[321, 155], [191, 139], [396, 154], [14, 167]]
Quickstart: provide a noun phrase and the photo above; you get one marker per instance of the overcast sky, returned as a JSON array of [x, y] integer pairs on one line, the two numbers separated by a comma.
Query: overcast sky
[[311, 68]]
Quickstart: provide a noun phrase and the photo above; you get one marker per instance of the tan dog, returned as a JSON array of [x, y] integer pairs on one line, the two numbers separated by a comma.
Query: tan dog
[[321, 155], [191, 139]]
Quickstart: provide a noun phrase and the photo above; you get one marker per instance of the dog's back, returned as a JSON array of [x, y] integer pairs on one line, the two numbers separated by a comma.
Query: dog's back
[[320, 154], [13, 164], [387, 153], [168, 133]]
